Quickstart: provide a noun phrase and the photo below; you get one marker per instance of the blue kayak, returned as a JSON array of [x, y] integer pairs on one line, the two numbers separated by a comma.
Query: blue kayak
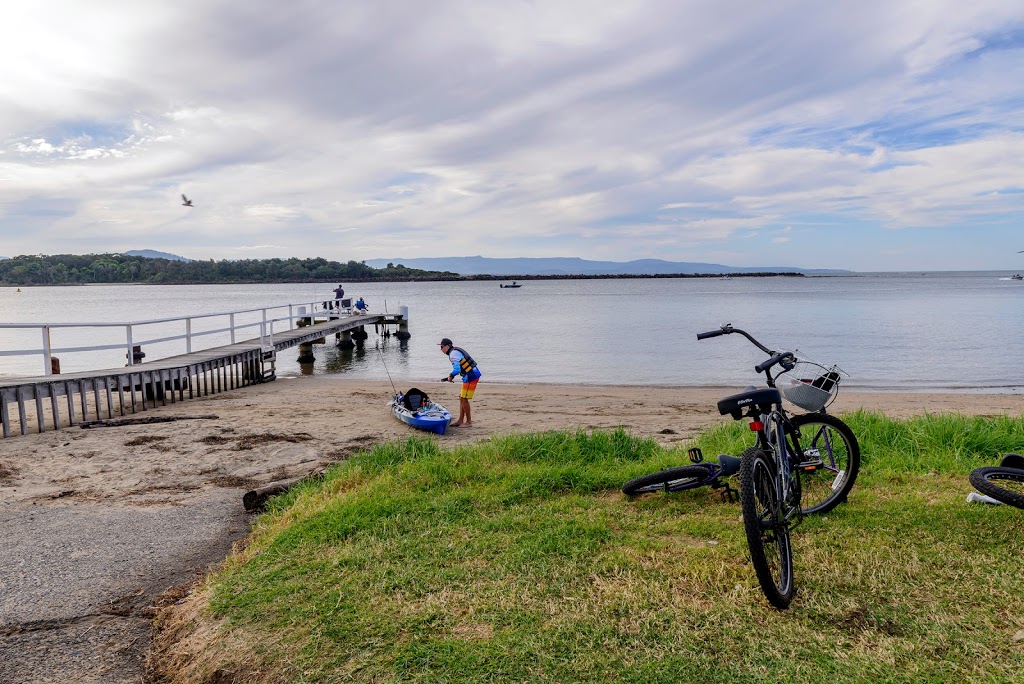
[[416, 409]]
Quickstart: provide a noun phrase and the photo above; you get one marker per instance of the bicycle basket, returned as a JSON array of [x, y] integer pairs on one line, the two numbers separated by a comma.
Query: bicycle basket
[[809, 385]]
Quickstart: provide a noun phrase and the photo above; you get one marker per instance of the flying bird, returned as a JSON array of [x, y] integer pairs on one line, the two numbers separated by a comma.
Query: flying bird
[[185, 201]]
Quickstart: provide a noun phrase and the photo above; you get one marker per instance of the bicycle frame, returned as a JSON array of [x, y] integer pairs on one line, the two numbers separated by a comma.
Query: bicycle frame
[[772, 439]]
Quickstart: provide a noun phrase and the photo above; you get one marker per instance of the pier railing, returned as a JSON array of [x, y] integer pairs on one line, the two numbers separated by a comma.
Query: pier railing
[[185, 333]]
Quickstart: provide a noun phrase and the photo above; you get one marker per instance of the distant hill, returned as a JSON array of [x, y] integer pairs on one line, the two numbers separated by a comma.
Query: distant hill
[[478, 265], [153, 254]]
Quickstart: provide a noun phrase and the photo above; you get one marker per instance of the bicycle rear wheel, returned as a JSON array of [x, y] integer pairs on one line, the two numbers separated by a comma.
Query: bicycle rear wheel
[[672, 480], [1002, 484], [829, 461], [767, 533]]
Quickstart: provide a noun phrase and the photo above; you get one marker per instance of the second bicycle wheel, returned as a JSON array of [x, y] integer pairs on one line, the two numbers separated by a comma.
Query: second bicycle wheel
[[1002, 484], [829, 460], [671, 480], [767, 532]]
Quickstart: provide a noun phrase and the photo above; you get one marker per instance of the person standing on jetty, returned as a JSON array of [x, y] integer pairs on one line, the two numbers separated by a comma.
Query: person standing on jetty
[[464, 365], [339, 294]]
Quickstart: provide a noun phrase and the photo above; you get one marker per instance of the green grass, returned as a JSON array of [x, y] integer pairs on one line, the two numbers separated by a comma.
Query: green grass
[[519, 560]]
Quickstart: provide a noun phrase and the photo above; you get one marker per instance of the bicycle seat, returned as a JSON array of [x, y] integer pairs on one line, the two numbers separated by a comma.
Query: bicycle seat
[[1013, 461], [730, 465], [762, 398]]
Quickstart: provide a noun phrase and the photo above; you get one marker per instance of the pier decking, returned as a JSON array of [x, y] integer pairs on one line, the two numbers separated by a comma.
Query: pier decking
[[93, 395]]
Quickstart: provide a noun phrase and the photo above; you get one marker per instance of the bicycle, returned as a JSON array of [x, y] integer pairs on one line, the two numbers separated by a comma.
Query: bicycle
[[783, 460], [689, 477], [1004, 482]]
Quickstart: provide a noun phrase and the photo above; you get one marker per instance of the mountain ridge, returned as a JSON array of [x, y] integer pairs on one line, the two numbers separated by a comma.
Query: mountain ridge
[[153, 254], [554, 266]]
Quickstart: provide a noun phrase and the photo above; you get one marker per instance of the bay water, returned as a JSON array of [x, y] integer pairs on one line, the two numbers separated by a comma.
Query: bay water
[[957, 331]]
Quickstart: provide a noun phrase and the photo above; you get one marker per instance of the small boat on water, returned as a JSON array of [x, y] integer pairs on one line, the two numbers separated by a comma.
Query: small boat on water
[[1016, 276], [514, 284], [415, 408]]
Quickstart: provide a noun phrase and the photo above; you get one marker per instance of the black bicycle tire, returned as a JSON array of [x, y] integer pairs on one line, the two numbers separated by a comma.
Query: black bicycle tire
[[757, 493], [982, 480], [671, 480], [838, 494]]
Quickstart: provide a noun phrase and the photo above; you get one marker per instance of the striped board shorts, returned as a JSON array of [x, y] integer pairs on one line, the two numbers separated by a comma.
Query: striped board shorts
[[468, 388]]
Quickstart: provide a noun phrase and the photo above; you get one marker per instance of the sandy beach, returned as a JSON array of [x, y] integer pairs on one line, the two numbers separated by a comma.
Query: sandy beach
[[103, 523], [290, 427]]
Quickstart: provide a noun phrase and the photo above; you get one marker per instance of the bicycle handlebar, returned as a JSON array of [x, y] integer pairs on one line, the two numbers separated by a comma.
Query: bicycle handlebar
[[727, 329], [786, 358], [712, 333]]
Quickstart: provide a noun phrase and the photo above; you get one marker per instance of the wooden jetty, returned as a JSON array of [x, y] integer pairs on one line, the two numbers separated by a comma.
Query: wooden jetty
[[92, 395]]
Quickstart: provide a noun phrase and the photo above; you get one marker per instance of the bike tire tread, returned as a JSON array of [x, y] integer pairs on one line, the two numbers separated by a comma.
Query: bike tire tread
[[985, 481], [671, 480]]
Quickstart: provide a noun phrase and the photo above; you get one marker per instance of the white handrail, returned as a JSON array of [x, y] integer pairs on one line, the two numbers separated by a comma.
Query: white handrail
[[265, 325]]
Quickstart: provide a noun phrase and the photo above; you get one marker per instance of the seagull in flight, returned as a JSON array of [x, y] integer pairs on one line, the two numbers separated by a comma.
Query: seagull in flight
[[185, 201]]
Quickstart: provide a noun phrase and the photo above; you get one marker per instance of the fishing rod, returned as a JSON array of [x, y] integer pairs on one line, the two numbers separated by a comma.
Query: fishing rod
[[379, 352]]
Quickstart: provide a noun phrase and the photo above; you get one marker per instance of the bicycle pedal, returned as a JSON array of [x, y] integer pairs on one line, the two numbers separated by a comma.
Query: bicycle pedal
[[810, 466], [696, 455]]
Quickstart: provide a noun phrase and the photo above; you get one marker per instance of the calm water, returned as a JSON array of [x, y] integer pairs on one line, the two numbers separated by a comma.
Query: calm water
[[903, 331]]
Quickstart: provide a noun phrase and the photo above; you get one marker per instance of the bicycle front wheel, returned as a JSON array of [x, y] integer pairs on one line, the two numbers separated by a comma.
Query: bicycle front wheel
[[828, 460], [671, 480], [1002, 484], [767, 532]]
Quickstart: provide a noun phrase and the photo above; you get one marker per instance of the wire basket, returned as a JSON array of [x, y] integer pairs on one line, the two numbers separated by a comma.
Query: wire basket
[[809, 385]]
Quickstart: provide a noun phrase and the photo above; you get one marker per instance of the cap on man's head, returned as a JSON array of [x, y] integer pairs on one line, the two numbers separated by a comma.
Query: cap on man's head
[[444, 341]]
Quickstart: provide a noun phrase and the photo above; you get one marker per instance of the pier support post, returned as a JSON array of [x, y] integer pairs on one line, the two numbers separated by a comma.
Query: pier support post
[[346, 340], [306, 353], [403, 324]]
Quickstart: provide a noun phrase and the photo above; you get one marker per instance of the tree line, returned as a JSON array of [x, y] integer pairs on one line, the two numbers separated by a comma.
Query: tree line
[[81, 269]]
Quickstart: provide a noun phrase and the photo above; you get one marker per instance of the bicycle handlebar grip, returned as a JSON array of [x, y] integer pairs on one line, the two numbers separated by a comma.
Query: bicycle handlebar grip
[[765, 365], [711, 333]]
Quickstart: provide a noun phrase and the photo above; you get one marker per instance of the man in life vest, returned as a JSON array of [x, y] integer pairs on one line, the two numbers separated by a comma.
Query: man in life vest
[[464, 365]]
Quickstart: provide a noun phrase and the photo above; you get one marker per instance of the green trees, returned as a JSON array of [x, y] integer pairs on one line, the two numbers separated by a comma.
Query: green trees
[[60, 269]]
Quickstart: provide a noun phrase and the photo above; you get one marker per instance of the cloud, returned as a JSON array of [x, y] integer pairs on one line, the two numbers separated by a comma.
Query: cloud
[[675, 130]]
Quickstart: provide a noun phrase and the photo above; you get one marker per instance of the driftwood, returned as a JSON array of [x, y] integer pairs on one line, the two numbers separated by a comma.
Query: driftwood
[[256, 499], [114, 422]]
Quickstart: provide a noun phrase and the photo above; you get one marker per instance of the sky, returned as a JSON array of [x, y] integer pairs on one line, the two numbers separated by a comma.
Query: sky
[[870, 135]]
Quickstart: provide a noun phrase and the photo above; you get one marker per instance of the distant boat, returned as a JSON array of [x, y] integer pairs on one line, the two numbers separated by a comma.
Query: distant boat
[[1017, 276], [514, 284]]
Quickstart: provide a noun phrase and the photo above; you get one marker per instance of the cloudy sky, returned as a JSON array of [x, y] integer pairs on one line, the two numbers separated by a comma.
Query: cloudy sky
[[868, 135]]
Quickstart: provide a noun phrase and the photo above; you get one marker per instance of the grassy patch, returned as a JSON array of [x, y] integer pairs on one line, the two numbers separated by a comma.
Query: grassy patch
[[520, 560]]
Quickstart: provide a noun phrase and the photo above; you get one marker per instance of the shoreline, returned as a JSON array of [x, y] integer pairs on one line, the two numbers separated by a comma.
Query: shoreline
[[727, 389]]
